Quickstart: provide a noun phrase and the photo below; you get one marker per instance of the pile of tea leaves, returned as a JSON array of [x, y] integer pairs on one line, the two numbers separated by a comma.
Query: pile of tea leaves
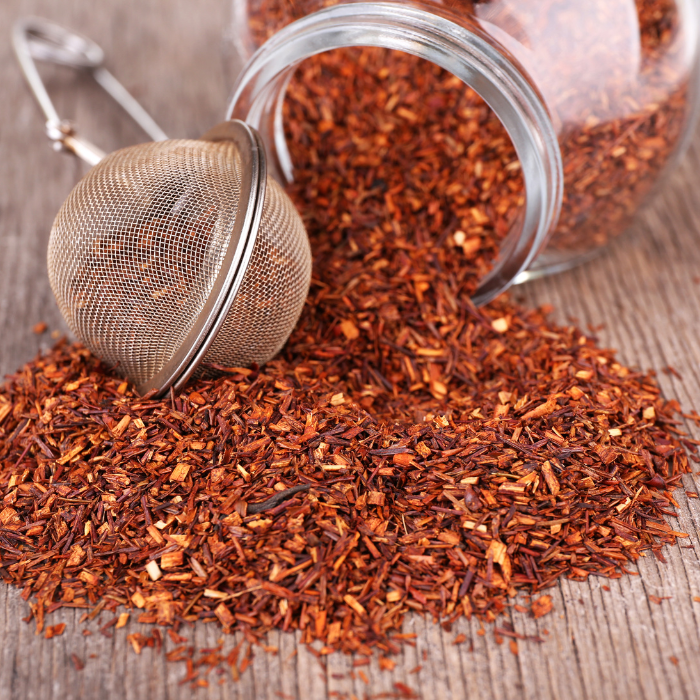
[[405, 452]]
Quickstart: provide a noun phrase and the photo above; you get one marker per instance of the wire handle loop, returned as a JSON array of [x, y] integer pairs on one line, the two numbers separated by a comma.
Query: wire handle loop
[[37, 39]]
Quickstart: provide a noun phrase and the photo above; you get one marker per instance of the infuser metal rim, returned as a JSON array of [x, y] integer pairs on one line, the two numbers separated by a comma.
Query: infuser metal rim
[[242, 240]]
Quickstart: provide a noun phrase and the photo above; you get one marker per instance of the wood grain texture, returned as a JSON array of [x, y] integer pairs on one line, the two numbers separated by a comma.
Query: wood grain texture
[[644, 289]]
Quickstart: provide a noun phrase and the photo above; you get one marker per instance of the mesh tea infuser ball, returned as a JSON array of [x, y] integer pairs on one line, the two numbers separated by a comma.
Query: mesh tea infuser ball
[[172, 256]]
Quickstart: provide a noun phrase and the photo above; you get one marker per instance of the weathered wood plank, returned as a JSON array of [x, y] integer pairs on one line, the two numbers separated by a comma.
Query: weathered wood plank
[[599, 643]]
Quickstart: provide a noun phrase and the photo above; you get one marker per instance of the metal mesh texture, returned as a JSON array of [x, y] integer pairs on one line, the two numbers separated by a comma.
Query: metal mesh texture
[[273, 290], [136, 248]]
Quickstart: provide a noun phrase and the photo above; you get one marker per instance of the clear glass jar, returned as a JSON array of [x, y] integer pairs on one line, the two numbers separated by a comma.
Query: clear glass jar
[[597, 97]]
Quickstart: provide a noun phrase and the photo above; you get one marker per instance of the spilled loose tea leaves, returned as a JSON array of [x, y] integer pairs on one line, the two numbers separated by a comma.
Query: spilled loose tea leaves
[[268, 506], [405, 452]]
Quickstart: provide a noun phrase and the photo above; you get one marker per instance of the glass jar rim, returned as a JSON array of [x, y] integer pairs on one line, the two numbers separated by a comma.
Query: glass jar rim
[[468, 54]]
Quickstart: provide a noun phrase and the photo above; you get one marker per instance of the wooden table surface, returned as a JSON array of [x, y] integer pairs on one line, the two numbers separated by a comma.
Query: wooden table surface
[[645, 291]]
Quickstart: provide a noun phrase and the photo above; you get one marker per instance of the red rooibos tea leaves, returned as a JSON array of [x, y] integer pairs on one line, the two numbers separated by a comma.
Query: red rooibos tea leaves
[[271, 498], [406, 452]]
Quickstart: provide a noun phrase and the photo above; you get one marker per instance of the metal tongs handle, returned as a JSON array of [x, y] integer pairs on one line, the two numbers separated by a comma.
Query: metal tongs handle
[[35, 38]]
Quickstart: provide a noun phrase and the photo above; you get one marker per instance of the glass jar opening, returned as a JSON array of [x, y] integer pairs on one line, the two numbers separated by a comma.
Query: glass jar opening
[[462, 52]]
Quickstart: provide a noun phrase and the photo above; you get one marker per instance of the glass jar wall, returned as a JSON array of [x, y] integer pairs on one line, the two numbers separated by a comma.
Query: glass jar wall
[[615, 78]]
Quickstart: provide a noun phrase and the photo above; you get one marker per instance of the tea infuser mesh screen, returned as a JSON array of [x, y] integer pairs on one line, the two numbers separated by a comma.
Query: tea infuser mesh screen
[[137, 247], [257, 324]]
